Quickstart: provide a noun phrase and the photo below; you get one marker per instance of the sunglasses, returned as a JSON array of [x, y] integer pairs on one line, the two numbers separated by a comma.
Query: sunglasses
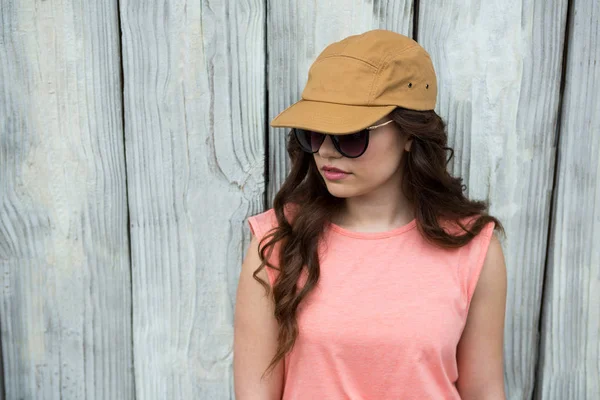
[[352, 146]]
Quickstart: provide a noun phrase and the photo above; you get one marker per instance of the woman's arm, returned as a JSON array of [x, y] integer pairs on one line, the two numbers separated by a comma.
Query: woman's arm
[[255, 335], [480, 350]]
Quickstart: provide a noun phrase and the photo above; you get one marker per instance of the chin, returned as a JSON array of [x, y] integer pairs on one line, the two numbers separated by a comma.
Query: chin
[[341, 190]]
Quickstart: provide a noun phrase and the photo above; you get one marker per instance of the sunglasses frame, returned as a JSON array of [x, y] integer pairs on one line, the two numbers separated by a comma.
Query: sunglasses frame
[[336, 141]]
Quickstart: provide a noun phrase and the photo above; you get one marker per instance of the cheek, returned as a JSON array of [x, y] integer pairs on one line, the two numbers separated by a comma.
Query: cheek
[[377, 170], [379, 162]]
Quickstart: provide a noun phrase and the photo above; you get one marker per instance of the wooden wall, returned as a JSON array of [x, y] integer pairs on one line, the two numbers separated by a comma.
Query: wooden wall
[[569, 365], [194, 99], [134, 143], [65, 300]]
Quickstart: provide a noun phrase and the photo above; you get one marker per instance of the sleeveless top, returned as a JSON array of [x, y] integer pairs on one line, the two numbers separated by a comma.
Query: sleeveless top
[[385, 318]]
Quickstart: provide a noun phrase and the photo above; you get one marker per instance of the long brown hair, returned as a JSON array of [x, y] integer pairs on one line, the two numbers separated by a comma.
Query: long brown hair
[[426, 183]]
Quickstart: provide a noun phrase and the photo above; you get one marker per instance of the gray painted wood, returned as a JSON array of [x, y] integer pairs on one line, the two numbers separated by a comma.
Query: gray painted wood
[[194, 122], [570, 346], [65, 311], [499, 66], [194, 90], [297, 33]]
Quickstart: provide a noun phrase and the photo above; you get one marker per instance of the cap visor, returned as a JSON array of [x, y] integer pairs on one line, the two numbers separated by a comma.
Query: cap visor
[[330, 117]]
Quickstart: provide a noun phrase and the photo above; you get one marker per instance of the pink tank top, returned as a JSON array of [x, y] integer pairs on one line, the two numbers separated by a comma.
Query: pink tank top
[[385, 318]]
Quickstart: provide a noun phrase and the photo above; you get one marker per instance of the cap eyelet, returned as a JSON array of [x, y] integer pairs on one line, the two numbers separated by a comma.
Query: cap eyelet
[[410, 84], [427, 86]]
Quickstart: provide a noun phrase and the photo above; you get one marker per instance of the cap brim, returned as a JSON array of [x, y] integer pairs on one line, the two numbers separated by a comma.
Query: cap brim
[[330, 117]]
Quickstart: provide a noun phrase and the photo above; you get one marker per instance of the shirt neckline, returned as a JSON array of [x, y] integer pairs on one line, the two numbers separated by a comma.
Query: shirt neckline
[[374, 235]]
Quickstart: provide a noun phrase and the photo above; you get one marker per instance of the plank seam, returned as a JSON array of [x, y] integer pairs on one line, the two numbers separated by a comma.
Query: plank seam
[[545, 275], [2, 384], [122, 82], [415, 16], [266, 136]]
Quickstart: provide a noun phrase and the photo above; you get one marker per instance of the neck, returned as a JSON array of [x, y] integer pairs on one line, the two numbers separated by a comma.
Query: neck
[[382, 209]]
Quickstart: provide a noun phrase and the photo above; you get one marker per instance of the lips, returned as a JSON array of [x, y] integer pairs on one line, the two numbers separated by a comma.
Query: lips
[[333, 169], [333, 174]]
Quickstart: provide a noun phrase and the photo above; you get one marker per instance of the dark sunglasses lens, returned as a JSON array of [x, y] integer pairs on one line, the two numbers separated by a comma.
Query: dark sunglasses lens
[[354, 144], [309, 141]]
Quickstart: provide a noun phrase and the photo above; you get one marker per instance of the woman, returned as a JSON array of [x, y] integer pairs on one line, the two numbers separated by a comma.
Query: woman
[[384, 281]]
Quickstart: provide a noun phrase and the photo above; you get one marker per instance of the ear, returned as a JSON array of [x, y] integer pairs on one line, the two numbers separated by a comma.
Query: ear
[[408, 144]]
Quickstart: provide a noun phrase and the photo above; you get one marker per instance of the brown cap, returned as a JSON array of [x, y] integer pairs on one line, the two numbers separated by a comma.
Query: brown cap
[[359, 80]]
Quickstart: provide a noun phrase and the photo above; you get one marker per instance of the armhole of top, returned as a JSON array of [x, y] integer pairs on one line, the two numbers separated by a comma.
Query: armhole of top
[[256, 223], [483, 243]]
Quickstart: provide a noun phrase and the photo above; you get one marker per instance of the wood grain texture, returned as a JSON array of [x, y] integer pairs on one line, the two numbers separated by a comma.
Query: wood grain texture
[[65, 311], [499, 67], [194, 101], [570, 347], [297, 33]]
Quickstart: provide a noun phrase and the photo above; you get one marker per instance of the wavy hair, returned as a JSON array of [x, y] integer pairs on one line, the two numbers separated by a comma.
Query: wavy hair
[[426, 183]]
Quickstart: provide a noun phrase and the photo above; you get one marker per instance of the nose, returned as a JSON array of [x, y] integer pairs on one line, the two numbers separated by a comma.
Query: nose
[[328, 150]]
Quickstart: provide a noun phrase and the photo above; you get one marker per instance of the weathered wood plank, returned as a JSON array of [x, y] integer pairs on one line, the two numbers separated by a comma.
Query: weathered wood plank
[[297, 33], [570, 348], [194, 117], [64, 253], [499, 69]]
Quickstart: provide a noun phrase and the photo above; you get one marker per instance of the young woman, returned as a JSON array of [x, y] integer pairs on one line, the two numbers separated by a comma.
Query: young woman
[[383, 280]]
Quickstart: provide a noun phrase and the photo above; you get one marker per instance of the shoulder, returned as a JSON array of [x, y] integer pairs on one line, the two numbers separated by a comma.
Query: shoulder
[[261, 225], [264, 215], [263, 222], [482, 249], [493, 271], [454, 226], [479, 353]]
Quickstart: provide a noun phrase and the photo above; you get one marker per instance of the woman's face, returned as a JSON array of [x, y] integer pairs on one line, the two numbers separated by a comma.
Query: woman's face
[[380, 165]]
